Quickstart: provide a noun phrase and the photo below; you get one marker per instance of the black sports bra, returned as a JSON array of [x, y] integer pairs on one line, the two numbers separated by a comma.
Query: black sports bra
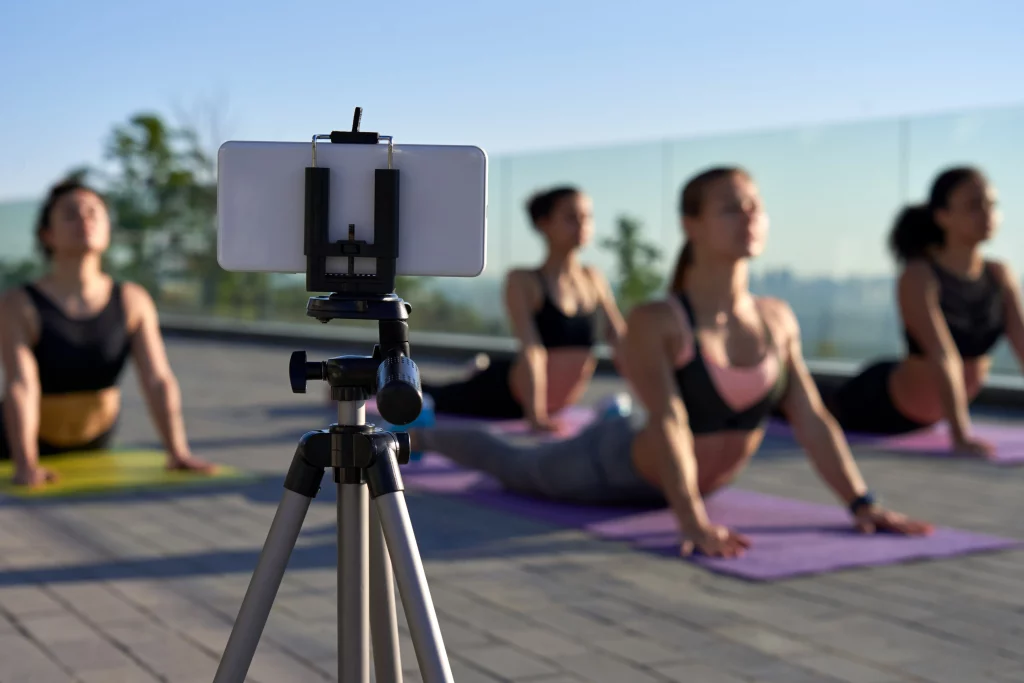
[[973, 309], [558, 330], [708, 412], [76, 355]]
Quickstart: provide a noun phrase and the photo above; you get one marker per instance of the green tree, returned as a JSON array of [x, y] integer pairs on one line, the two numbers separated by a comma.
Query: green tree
[[16, 273], [162, 190], [638, 278], [161, 186]]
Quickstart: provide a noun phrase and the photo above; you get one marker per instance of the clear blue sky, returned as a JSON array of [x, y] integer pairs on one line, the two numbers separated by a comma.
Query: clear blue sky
[[508, 76]]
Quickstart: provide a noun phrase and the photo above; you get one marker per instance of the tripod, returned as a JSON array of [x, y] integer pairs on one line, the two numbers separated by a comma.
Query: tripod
[[376, 543]]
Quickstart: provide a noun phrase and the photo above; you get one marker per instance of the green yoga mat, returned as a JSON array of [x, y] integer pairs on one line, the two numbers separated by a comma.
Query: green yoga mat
[[112, 471]]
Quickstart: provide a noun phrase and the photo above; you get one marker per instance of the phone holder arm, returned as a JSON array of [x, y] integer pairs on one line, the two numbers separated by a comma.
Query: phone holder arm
[[317, 245]]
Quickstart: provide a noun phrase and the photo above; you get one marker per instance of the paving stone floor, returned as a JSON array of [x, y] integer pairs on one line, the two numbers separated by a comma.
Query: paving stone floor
[[145, 587]]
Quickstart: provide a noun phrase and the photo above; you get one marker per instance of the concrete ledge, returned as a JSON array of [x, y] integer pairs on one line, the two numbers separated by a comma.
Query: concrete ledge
[[1000, 391]]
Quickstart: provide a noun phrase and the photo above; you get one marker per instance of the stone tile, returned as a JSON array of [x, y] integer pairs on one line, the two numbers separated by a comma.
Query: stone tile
[[541, 642], [507, 662], [598, 668], [58, 629], [21, 660], [844, 669], [93, 654], [125, 674], [153, 598]]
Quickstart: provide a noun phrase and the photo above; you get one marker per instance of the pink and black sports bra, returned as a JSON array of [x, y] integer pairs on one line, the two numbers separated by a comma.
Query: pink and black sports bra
[[725, 398]]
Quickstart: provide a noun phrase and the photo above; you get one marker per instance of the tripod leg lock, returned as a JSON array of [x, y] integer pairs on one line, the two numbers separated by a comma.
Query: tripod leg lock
[[382, 476], [312, 457], [349, 449]]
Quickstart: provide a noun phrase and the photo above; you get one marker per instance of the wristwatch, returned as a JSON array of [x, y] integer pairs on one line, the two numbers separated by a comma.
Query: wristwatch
[[866, 499]]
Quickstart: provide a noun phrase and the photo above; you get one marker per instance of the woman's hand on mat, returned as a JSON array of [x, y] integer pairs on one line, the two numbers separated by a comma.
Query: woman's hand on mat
[[976, 447], [716, 541], [190, 463], [544, 424], [36, 475], [876, 519]]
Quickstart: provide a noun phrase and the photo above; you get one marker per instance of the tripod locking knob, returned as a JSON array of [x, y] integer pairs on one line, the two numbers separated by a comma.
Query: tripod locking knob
[[299, 371]]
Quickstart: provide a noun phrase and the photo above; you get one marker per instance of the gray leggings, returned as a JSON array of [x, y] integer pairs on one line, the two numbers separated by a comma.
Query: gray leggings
[[593, 467]]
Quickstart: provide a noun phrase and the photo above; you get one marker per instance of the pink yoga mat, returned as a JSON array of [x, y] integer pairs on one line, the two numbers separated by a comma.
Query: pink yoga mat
[[789, 537], [935, 441]]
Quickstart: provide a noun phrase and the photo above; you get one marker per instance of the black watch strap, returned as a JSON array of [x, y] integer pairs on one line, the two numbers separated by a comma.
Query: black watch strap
[[865, 500]]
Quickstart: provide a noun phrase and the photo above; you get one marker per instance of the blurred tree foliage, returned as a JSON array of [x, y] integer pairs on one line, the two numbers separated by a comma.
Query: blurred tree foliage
[[160, 183], [638, 278], [13, 274]]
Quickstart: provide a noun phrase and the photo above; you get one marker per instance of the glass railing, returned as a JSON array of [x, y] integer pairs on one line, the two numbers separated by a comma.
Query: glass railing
[[831, 191]]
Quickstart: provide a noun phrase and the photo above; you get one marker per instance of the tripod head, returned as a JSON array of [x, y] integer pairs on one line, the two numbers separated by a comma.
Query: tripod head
[[389, 373]]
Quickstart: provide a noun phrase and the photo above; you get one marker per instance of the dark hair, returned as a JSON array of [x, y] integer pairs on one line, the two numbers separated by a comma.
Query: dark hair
[[543, 203], [691, 203], [915, 229], [66, 186]]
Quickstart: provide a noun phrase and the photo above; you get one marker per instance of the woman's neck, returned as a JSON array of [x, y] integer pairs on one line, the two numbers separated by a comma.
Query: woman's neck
[[961, 259], [557, 264], [720, 287], [78, 274]]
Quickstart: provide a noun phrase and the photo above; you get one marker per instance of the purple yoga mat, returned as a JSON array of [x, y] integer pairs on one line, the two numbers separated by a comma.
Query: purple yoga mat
[[935, 441], [572, 420], [788, 537]]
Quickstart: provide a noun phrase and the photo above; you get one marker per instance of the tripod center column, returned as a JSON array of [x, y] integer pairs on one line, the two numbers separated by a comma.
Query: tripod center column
[[352, 412]]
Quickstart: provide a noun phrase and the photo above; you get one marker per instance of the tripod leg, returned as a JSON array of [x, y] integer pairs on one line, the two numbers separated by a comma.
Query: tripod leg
[[266, 580], [413, 588], [353, 579], [387, 657]]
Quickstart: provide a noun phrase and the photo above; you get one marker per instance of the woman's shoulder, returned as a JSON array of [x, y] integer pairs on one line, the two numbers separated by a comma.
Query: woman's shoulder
[[778, 311], [17, 309], [16, 297], [782, 321], [137, 302], [1001, 270], [661, 312], [520, 273], [919, 267]]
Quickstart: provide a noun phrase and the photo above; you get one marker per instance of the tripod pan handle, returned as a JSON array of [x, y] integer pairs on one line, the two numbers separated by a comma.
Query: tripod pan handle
[[299, 371]]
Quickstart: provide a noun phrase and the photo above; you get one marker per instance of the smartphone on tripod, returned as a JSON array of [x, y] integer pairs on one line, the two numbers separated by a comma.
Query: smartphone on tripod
[[354, 214], [442, 205]]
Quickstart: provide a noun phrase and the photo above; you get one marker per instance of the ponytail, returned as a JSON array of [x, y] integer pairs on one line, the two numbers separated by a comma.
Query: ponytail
[[679, 276], [915, 233]]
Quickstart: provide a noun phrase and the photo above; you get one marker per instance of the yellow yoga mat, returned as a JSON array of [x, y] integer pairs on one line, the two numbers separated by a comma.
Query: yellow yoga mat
[[111, 471]]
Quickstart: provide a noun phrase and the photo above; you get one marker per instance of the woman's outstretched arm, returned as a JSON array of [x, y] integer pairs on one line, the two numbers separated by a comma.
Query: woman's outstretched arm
[[158, 382], [648, 352], [821, 437], [919, 308], [21, 391], [518, 295]]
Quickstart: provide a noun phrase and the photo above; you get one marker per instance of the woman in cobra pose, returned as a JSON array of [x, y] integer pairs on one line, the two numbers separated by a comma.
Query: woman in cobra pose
[[65, 340], [955, 306], [709, 363], [556, 312]]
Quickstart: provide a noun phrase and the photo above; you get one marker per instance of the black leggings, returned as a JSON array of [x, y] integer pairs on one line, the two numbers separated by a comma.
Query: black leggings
[[862, 404], [485, 394], [101, 442]]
